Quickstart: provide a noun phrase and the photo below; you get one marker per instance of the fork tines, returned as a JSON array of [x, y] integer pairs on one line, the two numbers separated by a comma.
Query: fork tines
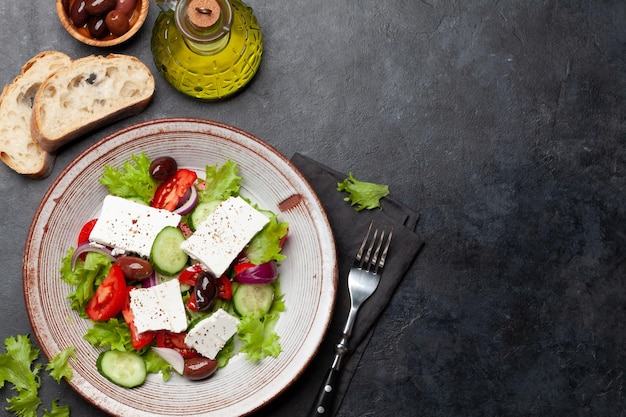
[[374, 262]]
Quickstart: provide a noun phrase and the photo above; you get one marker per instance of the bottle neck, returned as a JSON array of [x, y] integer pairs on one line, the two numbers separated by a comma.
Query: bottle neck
[[204, 24]]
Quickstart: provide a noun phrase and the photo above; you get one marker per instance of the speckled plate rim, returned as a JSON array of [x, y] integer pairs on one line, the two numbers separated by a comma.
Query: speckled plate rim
[[308, 274]]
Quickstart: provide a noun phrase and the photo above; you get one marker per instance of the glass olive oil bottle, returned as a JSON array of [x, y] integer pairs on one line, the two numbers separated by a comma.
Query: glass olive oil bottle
[[207, 49]]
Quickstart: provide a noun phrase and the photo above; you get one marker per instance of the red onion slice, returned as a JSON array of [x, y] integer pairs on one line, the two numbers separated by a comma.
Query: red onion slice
[[185, 197], [89, 247], [171, 356], [190, 202], [151, 281], [258, 274]]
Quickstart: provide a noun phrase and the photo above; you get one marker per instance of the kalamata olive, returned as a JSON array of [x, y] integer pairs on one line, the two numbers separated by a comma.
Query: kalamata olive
[[100, 7], [97, 28], [134, 268], [126, 6], [199, 367], [117, 22], [205, 290], [163, 167], [78, 13]]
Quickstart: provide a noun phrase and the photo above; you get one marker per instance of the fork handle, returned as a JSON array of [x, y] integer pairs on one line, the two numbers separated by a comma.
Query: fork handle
[[323, 405]]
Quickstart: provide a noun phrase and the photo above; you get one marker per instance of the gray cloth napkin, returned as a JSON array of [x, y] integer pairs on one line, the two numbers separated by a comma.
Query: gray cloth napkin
[[349, 227]]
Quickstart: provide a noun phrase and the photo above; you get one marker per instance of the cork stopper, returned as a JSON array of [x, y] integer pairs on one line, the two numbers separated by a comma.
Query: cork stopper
[[203, 13]]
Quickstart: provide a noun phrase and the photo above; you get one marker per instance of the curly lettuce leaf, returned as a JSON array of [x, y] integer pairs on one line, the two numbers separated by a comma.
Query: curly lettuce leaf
[[25, 404], [132, 180], [84, 278], [156, 364], [257, 331], [220, 182], [226, 353], [57, 411], [18, 368], [113, 333], [363, 195], [59, 366], [265, 245]]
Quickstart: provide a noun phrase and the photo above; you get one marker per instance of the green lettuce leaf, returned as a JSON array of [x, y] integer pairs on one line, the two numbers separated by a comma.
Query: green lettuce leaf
[[220, 182], [25, 404], [57, 411], [257, 331], [113, 333], [132, 181], [84, 278], [156, 364], [226, 353], [363, 195], [265, 245], [59, 366], [18, 368]]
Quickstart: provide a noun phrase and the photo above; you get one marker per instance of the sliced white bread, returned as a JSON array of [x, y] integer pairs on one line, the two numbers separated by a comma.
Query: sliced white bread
[[18, 149], [87, 94]]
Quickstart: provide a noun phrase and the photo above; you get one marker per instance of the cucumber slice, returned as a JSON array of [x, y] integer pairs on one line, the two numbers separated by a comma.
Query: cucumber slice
[[126, 369], [166, 255], [201, 212], [253, 298]]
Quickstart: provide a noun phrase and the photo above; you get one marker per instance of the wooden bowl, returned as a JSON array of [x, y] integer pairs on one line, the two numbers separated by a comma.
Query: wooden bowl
[[82, 34]]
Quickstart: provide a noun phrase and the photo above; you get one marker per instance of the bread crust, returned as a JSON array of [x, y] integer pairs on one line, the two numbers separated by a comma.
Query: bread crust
[[18, 149], [107, 89]]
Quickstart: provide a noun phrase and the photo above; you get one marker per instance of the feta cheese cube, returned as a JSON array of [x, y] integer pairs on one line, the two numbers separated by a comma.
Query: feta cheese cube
[[222, 236], [159, 307], [210, 335], [129, 226]]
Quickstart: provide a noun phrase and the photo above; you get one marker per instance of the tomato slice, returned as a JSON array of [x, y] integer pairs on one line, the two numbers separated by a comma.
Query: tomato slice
[[189, 275], [110, 297], [170, 192], [191, 303], [281, 243], [176, 341], [85, 231], [138, 340], [224, 288], [238, 268]]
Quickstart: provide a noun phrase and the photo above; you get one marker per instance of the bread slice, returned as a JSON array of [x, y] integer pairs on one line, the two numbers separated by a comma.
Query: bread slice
[[18, 149], [87, 94]]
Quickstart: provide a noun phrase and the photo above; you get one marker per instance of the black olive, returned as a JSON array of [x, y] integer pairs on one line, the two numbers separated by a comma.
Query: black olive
[[78, 13], [97, 28], [163, 167], [205, 291], [134, 269], [100, 7]]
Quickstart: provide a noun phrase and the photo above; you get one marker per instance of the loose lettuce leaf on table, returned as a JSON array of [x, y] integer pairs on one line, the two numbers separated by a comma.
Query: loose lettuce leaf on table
[[18, 367], [57, 410], [363, 195]]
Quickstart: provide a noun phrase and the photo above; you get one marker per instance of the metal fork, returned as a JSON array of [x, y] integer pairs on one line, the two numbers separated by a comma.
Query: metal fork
[[363, 280]]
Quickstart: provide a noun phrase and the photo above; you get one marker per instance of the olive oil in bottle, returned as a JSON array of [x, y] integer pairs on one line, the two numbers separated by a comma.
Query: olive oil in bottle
[[207, 49]]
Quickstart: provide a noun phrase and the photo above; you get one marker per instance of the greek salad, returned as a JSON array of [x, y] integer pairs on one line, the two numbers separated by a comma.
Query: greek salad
[[177, 273]]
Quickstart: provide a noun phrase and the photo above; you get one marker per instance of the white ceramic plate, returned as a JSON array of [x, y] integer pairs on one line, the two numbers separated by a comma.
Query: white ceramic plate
[[308, 275]]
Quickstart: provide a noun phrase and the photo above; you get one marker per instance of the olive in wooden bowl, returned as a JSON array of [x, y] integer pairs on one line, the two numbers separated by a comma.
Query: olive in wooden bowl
[[102, 23]]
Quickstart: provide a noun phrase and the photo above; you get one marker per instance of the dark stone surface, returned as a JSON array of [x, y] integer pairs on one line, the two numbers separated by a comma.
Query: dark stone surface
[[502, 122]]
